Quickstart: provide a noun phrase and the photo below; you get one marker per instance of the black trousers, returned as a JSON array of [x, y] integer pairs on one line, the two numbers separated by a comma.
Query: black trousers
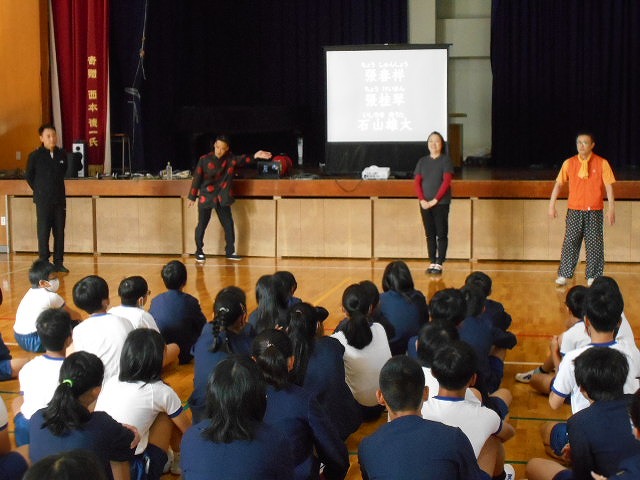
[[436, 229], [226, 220], [51, 219]]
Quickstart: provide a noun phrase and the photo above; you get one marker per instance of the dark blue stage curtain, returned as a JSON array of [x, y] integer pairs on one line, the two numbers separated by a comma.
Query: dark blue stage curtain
[[230, 53], [560, 67]]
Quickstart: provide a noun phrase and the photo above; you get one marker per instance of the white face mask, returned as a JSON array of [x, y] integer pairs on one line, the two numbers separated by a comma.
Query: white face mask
[[54, 284]]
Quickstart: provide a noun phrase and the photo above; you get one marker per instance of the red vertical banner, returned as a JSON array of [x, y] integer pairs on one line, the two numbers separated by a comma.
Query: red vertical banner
[[81, 31]]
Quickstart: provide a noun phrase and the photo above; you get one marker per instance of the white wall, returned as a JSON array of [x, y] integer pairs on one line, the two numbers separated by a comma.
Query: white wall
[[466, 24]]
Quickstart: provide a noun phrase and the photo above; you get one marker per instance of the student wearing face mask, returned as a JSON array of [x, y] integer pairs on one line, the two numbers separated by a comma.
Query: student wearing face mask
[[41, 296]]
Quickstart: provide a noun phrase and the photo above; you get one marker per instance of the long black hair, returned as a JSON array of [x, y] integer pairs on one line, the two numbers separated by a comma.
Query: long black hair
[[271, 351], [356, 305], [79, 373], [228, 307], [236, 400], [272, 297], [301, 324], [142, 356]]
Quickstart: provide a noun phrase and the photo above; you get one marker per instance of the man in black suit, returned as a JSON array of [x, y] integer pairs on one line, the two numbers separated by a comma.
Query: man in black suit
[[45, 174]]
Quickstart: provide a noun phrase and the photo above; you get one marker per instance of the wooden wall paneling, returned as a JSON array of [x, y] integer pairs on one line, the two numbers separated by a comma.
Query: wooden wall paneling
[[498, 229], [634, 228], [460, 232], [289, 228], [536, 235], [80, 226], [397, 229], [255, 226], [617, 237], [347, 228], [22, 224], [4, 229], [139, 225]]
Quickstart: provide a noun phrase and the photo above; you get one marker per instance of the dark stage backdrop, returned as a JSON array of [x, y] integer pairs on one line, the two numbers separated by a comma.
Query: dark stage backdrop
[[560, 67], [210, 57]]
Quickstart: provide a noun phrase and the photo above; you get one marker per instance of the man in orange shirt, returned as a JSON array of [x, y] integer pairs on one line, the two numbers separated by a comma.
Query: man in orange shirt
[[586, 173]]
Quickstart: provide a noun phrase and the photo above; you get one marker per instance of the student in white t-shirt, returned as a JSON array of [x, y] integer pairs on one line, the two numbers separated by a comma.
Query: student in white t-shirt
[[454, 366], [140, 398], [39, 377], [134, 292], [102, 334], [366, 349], [42, 295], [603, 307]]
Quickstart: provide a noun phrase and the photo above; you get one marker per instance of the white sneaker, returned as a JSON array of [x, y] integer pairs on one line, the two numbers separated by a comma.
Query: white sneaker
[[167, 466], [561, 281], [510, 473], [175, 464], [590, 281], [525, 377]]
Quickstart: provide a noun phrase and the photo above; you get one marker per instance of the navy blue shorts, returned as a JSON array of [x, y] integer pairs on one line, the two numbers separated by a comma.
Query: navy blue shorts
[[559, 438]]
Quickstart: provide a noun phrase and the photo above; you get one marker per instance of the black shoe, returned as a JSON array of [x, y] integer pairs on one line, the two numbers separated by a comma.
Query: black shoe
[[200, 257], [61, 269], [234, 256]]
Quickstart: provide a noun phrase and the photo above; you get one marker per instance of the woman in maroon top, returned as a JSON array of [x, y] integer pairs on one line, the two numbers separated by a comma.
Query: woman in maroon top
[[211, 186]]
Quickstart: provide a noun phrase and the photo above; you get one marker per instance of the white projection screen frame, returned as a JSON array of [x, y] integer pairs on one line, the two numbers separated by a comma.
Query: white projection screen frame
[[381, 103]]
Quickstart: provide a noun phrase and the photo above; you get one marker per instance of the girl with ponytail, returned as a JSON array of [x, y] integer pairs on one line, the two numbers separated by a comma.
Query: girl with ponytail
[[67, 424], [272, 297], [226, 334], [296, 414], [366, 350], [318, 366]]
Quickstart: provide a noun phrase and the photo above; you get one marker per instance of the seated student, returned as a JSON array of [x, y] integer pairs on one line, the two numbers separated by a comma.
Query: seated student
[[294, 412], [489, 343], [375, 315], [42, 295], [494, 311], [272, 297], [541, 377], [366, 349], [318, 366], [178, 314], [39, 377], [233, 442], [133, 292], [624, 332], [13, 464], [602, 309], [140, 398], [102, 334], [67, 424], [434, 336], [597, 438], [629, 468], [454, 367], [290, 285], [402, 305], [409, 447], [72, 465], [224, 336]]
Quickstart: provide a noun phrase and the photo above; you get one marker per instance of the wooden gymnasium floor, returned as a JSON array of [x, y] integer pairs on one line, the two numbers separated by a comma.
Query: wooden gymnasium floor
[[526, 289]]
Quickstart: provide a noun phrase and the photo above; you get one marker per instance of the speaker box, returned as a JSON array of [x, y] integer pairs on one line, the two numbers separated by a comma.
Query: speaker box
[[77, 165]]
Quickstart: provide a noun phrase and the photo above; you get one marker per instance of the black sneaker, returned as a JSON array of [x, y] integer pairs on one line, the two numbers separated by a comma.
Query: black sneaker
[[234, 256], [200, 257], [61, 269]]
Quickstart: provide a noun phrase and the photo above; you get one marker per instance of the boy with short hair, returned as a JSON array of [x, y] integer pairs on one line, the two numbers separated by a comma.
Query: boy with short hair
[[102, 334], [41, 296], [602, 316], [39, 377], [178, 314], [409, 447], [454, 367], [601, 374]]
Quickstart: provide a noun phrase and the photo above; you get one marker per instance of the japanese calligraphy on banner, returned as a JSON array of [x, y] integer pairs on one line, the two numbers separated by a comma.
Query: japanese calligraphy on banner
[[82, 52]]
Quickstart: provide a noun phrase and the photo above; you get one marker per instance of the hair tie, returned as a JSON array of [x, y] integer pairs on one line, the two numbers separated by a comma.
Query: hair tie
[[67, 381], [223, 309]]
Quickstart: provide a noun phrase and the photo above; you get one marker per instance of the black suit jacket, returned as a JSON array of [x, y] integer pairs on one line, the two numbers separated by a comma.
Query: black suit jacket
[[45, 176]]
